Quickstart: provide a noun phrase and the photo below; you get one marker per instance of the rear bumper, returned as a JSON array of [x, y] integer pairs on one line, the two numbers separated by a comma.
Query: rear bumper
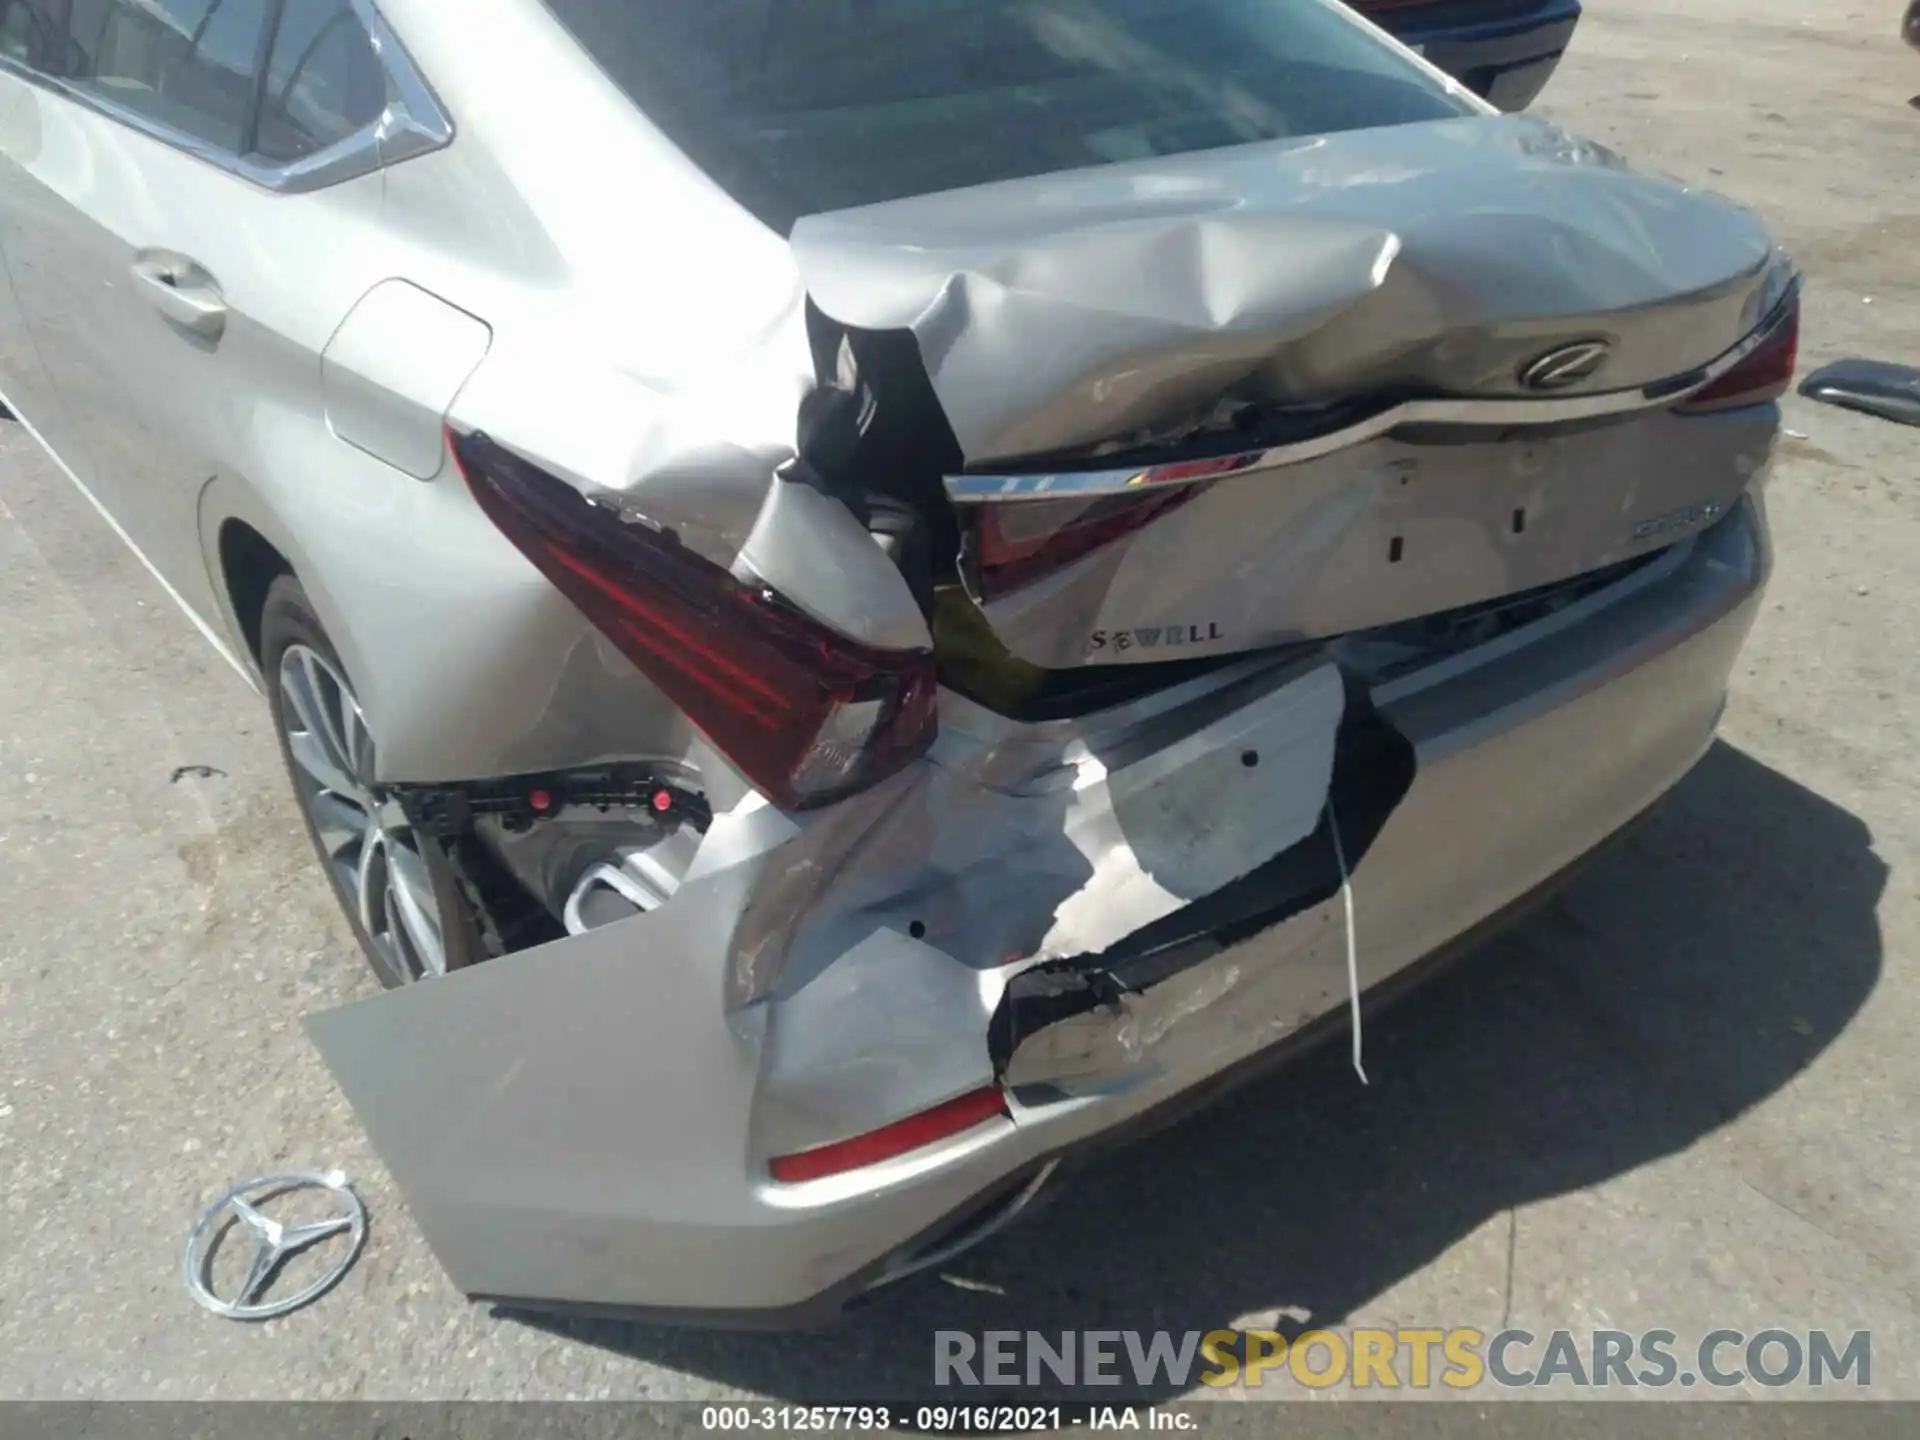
[[569, 1139], [1506, 61], [1527, 754]]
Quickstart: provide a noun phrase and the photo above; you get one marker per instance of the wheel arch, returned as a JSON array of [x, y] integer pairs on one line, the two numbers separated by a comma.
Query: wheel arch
[[247, 546], [249, 563]]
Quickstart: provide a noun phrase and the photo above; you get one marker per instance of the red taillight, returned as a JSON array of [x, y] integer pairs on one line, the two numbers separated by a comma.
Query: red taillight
[[1012, 544], [807, 714], [1764, 375], [900, 1138]]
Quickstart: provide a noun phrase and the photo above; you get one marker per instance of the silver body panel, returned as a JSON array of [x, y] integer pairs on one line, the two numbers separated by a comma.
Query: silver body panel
[[516, 249]]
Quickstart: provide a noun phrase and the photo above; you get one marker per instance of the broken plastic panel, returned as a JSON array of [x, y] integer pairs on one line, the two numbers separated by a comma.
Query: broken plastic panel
[[1041, 842]]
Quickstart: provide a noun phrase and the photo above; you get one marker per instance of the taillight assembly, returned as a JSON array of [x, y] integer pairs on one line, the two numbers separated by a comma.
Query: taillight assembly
[[807, 714], [1762, 376], [1013, 543], [916, 1132]]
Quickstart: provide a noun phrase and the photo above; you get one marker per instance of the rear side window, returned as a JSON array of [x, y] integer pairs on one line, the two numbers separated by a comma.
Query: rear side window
[[323, 82], [801, 106], [33, 32], [186, 64], [261, 78]]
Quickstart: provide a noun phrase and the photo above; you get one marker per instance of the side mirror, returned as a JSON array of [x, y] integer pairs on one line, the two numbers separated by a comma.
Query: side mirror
[[1871, 386]]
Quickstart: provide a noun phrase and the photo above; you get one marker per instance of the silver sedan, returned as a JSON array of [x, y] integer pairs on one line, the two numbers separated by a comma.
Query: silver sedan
[[870, 593]]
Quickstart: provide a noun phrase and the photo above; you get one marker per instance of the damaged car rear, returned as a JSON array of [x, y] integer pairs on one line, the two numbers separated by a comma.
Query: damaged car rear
[[910, 586]]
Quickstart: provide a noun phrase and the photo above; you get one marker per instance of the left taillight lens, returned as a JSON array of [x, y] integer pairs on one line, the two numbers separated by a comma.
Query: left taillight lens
[[808, 715], [1764, 375]]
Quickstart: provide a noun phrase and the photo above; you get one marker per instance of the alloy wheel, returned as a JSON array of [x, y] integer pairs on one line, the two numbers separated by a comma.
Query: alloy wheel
[[368, 841]]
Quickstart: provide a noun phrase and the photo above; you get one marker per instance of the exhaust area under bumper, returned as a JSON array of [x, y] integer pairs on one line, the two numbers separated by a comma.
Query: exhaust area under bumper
[[589, 1124]]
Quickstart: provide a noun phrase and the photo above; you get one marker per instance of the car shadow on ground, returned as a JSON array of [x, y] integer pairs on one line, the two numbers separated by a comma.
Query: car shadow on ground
[[1685, 977]]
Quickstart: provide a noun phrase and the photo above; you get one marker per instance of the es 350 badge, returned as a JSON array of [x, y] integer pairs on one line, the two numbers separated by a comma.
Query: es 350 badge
[[1685, 518]]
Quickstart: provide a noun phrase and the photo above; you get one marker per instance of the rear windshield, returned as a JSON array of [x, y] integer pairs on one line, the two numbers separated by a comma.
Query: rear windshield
[[802, 106]]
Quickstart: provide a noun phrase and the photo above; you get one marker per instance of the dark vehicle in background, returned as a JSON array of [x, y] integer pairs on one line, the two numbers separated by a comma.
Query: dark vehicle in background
[[1502, 50]]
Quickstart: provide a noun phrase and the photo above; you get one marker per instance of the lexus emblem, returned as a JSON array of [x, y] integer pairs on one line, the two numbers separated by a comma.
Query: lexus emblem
[[1568, 365], [241, 1216]]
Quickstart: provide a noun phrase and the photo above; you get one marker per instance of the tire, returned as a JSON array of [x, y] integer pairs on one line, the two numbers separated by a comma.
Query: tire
[[395, 886]]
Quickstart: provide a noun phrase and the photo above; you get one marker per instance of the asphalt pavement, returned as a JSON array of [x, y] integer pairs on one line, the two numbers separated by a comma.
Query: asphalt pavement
[[1682, 1096]]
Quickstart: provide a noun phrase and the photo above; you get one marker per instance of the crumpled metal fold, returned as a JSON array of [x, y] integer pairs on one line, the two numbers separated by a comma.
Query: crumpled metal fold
[[1062, 311]]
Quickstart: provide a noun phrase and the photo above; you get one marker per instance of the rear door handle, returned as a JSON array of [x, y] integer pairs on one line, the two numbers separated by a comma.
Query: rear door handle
[[183, 292]]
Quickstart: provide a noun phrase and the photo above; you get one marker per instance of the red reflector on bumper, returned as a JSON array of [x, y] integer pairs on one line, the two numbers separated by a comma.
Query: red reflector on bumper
[[913, 1133]]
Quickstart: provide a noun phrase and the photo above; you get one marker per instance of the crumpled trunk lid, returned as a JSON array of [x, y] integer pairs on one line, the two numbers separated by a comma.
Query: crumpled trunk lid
[[1064, 311], [1192, 306]]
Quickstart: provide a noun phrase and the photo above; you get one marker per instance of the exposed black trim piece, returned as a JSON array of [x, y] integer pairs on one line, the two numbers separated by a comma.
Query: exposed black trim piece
[[522, 801], [509, 917], [512, 917]]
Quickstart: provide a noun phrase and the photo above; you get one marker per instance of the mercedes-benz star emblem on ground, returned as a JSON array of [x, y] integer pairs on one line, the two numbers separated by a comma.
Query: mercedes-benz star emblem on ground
[[242, 1216]]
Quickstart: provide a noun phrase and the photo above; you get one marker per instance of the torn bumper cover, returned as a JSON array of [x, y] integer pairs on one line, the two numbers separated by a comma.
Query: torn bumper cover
[[593, 1123]]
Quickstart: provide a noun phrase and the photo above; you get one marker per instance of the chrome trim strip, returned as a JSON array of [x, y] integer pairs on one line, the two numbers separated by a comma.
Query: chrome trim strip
[[980, 489], [412, 124], [415, 122]]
